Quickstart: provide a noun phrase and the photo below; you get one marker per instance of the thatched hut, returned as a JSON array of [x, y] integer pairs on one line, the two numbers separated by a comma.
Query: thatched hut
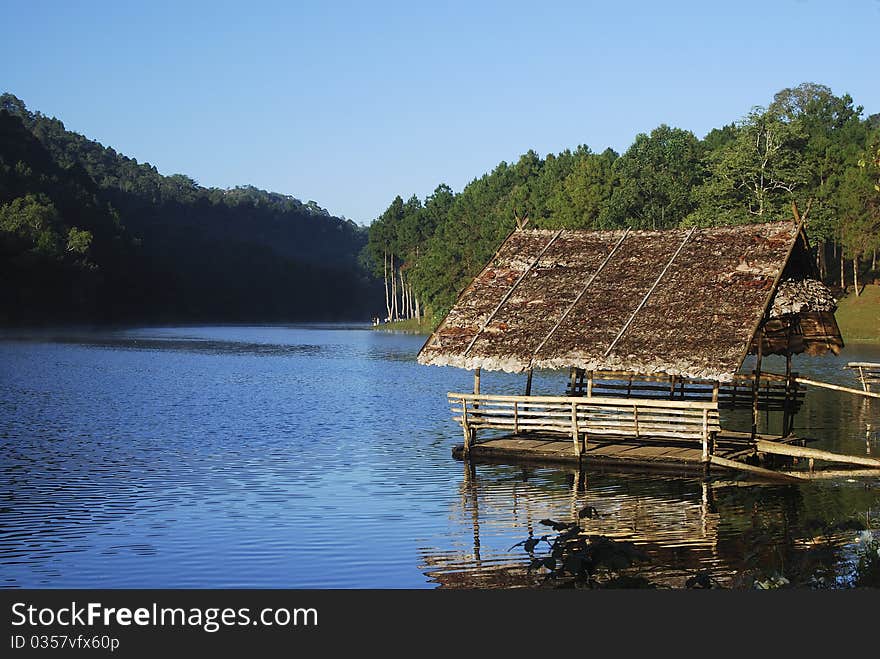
[[684, 306]]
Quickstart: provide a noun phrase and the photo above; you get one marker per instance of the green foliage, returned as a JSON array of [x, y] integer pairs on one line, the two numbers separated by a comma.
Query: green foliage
[[656, 177], [868, 568], [805, 147], [151, 247], [577, 559], [753, 176]]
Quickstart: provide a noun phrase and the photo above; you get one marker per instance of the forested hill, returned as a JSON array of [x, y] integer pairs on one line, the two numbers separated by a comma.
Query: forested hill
[[88, 234], [806, 146]]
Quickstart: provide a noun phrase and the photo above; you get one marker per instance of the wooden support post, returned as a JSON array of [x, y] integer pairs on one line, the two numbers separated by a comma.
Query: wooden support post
[[476, 387], [574, 430], [515, 417], [671, 387], [465, 427], [590, 385], [529, 383], [572, 384], [706, 457], [636, 419], [756, 384], [787, 403]]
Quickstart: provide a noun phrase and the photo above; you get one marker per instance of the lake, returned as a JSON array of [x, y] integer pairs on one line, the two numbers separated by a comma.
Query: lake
[[318, 456]]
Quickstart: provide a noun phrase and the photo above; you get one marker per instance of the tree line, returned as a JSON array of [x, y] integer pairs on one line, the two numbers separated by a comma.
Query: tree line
[[89, 234], [808, 150]]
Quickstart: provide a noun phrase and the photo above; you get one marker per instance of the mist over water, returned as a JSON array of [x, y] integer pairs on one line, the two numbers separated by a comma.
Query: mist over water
[[319, 456]]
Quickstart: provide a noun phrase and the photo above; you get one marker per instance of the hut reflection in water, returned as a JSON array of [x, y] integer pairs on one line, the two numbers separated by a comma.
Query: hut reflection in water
[[733, 530]]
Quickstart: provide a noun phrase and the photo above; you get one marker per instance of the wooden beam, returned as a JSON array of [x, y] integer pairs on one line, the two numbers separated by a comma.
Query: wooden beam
[[760, 319], [465, 427], [752, 469], [578, 297], [596, 400], [778, 448], [755, 385], [825, 474], [836, 387], [510, 291]]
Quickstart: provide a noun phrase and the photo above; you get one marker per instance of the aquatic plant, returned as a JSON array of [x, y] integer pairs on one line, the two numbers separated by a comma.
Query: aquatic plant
[[576, 559], [868, 568]]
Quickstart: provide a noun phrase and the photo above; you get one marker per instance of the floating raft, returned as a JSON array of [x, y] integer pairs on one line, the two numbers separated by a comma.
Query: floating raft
[[734, 452], [660, 453]]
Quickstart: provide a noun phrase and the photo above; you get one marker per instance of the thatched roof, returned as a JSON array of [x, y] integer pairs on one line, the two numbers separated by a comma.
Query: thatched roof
[[681, 302]]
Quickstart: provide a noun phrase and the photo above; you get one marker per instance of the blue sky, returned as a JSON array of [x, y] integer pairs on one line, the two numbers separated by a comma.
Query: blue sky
[[351, 103]]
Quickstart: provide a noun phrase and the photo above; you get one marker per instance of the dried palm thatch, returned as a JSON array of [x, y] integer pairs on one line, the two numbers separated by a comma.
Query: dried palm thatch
[[678, 302]]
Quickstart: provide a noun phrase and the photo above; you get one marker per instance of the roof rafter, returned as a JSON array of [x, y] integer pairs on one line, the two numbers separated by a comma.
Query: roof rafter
[[578, 298], [648, 294], [510, 291]]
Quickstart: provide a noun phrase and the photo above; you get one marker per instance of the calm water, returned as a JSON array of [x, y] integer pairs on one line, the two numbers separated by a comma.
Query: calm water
[[319, 456]]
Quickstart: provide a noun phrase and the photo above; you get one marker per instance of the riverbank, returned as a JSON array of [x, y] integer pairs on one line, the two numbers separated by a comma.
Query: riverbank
[[409, 326], [859, 316]]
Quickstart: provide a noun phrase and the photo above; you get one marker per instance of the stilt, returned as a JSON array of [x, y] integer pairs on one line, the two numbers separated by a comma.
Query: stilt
[[756, 384], [787, 403]]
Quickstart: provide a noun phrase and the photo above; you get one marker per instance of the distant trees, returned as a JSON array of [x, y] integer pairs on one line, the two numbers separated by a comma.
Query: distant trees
[[89, 234], [752, 176], [805, 147], [655, 178]]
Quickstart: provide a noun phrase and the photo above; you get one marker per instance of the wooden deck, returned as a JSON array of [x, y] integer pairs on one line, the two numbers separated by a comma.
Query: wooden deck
[[659, 453]]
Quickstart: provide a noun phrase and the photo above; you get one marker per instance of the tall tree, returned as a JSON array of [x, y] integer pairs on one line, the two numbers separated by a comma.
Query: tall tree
[[656, 177], [753, 176]]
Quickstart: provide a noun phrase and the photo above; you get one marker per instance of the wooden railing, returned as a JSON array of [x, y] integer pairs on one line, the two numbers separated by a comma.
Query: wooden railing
[[869, 373], [581, 417], [773, 394]]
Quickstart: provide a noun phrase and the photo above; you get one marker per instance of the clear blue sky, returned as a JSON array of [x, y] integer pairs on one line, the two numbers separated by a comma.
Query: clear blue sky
[[350, 104]]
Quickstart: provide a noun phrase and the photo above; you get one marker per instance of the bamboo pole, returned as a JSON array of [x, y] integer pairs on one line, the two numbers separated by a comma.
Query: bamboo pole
[[510, 291], [752, 469], [755, 385], [612, 401], [777, 448], [786, 406], [465, 427], [835, 387], [823, 474], [648, 294], [477, 387], [705, 456]]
